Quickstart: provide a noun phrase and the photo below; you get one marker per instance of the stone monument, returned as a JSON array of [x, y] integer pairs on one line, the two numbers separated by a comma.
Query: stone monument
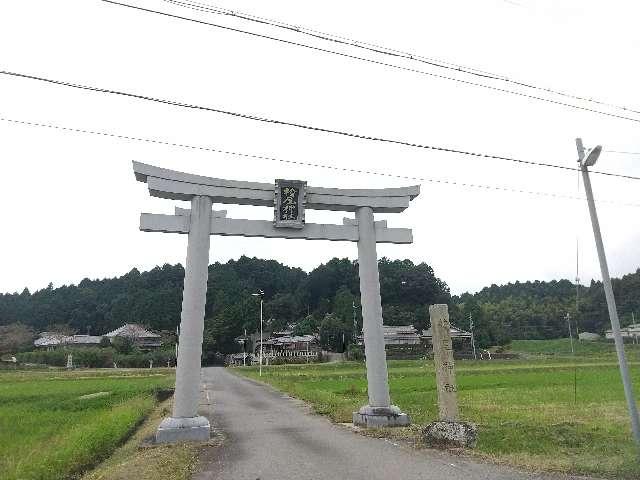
[[289, 199], [449, 430]]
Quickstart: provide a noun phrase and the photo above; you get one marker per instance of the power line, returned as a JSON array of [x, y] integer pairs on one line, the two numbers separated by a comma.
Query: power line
[[303, 163], [214, 9], [376, 62], [621, 152], [303, 126], [320, 35]]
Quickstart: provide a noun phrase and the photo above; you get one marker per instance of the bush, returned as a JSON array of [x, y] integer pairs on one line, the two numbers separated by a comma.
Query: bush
[[123, 345], [98, 358], [82, 357], [141, 359], [355, 352], [289, 360]]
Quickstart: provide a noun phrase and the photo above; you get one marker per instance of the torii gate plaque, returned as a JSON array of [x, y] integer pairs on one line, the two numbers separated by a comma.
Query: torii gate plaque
[[289, 198]]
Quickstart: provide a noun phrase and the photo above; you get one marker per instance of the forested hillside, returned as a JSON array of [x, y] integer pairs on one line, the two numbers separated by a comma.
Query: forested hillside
[[322, 300], [536, 310]]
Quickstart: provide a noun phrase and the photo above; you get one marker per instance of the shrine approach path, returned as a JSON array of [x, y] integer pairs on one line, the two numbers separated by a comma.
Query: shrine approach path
[[268, 436]]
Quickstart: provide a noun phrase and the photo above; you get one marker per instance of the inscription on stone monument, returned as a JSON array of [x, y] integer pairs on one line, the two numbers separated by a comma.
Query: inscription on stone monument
[[443, 359], [289, 203]]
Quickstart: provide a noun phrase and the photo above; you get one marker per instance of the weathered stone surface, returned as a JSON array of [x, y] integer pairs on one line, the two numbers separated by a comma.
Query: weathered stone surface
[[450, 434], [377, 417], [444, 364], [190, 429]]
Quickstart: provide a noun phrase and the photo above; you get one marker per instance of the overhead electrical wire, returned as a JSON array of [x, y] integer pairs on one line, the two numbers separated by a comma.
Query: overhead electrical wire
[[303, 126], [214, 9], [621, 152], [303, 163], [376, 62]]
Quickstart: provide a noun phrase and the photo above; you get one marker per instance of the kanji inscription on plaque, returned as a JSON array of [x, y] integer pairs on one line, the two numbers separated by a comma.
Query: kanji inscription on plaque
[[289, 203]]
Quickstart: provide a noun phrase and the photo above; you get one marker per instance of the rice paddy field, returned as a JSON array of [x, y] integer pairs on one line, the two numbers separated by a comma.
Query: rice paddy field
[[55, 424], [565, 414]]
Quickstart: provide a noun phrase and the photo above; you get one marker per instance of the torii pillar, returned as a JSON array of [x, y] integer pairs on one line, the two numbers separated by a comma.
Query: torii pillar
[[379, 412], [185, 424]]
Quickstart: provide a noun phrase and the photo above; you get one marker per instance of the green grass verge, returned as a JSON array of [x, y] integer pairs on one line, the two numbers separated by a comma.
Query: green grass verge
[[133, 462], [562, 346], [525, 410], [48, 431]]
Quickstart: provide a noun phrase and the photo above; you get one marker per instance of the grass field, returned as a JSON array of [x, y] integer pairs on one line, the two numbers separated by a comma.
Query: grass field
[[159, 462], [525, 410], [562, 347], [54, 424]]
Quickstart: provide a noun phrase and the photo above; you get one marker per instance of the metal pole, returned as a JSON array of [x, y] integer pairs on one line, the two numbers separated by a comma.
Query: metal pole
[[611, 302], [355, 323], [261, 336], [473, 340], [575, 367], [568, 318]]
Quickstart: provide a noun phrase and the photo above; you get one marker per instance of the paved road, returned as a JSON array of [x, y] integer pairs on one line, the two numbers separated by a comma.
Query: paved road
[[271, 436]]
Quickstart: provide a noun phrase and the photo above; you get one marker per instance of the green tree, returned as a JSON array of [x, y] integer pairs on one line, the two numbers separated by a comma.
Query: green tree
[[16, 337], [334, 333]]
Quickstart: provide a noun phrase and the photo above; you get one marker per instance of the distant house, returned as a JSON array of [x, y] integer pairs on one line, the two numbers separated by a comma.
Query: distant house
[[141, 337], [51, 340], [397, 335], [456, 333], [285, 344], [400, 335], [460, 339], [632, 332]]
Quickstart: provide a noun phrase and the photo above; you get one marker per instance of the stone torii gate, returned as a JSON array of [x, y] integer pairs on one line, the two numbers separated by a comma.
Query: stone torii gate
[[289, 198]]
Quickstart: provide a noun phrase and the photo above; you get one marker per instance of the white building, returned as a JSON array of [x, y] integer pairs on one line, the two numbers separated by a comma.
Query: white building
[[632, 332], [51, 340]]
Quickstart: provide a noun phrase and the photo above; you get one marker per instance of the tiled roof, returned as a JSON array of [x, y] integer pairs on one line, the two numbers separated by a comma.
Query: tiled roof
[[49, 339], [454, 331], [132, 330]]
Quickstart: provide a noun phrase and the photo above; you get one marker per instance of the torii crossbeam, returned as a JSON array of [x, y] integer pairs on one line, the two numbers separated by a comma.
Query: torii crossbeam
[[289, 198]]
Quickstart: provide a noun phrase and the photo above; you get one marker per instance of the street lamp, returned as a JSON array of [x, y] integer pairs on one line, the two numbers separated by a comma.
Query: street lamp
[[585, 160], [260, 294]]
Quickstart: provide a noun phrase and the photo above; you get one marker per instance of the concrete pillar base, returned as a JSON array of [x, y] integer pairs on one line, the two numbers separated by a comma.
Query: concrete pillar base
[[188, 429], [377, 417]]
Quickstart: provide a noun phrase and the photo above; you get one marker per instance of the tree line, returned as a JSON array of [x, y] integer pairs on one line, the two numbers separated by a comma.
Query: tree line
[[325, 300]]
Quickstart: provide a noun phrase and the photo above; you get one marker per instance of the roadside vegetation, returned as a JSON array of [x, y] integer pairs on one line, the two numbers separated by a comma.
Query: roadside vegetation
[[135, 461], [562, 347], [54, 423], [526, 411]]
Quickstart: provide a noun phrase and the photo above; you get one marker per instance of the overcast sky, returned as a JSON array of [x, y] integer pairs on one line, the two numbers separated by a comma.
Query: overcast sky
[[71, 204]]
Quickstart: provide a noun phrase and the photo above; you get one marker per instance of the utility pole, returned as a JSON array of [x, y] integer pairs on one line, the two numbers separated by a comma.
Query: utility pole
[[587, 159], [568, 318], [473, 340], [575, 367], [260, 294], [577, 289], [355, 323]]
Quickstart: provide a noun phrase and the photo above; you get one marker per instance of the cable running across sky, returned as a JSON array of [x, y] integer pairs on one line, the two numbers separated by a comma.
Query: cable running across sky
[[267, 120], [214, 9], [376, 62], [307, 164]]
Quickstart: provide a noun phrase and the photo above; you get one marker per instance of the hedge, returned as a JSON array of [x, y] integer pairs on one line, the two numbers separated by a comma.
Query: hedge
[[98, 358]]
